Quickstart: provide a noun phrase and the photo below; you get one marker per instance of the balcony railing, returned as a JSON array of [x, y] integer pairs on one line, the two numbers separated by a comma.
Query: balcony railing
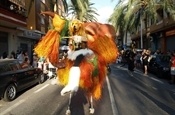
[[160, 26], [13, 6]]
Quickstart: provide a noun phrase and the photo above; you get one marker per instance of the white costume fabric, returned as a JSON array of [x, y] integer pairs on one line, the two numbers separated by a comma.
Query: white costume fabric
[[73, 55], [73, 83], [74, 74]]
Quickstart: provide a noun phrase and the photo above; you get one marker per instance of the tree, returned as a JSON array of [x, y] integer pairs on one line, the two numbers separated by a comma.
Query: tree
[[117, 19], [83, 10], [127, 16]]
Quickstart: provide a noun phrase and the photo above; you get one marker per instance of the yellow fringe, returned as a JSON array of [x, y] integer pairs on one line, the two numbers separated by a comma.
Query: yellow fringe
[[48, 46]]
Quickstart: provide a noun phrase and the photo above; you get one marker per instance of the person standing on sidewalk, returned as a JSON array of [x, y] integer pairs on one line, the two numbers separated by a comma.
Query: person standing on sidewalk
[[172, 62]]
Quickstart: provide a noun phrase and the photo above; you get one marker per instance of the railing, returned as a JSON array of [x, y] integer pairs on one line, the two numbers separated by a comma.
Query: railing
[[13, 6]]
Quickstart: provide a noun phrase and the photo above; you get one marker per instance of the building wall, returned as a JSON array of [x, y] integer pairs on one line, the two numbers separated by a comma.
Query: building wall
[[31, 15], [23, 36], [10, 40]]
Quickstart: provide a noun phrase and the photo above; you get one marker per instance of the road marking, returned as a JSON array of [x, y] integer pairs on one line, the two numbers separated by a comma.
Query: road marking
[[41, 88], [154, 88], [173, 90], [12, 107], [114, 107], [156, 80], [138, 72]]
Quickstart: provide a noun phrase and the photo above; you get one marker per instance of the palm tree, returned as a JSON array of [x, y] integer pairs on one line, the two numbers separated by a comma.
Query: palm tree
[[134, 11], [117, 19], [83, 10], [91, 13]]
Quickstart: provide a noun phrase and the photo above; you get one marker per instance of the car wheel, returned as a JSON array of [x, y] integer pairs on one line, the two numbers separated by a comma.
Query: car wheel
[[10, 93], [41, 78]]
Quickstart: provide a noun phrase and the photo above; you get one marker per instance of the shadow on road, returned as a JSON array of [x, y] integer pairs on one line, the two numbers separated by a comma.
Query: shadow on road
[[78, 103]]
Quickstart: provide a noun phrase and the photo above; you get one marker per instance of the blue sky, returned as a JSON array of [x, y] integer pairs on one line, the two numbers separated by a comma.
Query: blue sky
[[104, 8]]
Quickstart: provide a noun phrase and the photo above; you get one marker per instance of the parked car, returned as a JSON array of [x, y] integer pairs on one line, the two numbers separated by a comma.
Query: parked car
[[14, 78], [159, 65]]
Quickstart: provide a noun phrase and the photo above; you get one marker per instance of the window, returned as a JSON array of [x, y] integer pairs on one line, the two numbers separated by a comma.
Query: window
[[4, 68], [13, 67]]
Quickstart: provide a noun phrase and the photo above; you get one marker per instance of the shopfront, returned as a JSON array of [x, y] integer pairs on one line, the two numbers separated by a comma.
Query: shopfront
[[27, 40], [3, 42], [170, 40]]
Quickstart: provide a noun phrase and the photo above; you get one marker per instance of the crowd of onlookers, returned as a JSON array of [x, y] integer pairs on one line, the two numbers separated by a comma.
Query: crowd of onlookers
[[133, 58], [141, 58], [21, 56], [34, 61]]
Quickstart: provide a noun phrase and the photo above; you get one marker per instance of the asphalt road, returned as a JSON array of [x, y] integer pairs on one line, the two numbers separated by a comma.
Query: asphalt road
[[136, 94], [126, 93], [45, 99]]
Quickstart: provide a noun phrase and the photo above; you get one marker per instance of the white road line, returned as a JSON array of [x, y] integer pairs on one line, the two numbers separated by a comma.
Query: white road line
[[114, 107], [156, 80], [138, 72], [12, 107], [41, 88], [154, 88]]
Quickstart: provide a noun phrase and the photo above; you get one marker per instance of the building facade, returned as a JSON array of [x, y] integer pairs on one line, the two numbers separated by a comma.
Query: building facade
[[156, 36], [21, 25]]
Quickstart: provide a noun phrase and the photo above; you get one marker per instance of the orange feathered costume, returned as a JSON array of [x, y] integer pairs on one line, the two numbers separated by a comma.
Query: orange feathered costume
[[100, 39]]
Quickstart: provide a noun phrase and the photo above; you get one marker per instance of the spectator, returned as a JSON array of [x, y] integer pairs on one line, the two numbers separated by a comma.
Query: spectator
[[124, 55], [157, 52], [13, 55], [137, 60], [172, 67], [35, 60], [145, 58], [25, 64], [26, 56], [4, 55], [21, 57], [130, 60], [51, 68], [41, 62]]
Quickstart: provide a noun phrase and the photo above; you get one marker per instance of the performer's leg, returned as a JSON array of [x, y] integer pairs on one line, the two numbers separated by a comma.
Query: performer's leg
[[91, 107]]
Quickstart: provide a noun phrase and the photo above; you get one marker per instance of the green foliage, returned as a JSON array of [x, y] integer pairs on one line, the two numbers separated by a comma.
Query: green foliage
[[83, 10], [126, 16]]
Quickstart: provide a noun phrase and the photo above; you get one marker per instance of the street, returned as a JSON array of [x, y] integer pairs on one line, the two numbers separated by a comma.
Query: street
[[127, 93], [137, 94]]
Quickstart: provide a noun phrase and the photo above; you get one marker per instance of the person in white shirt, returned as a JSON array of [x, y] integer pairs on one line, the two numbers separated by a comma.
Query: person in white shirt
[[21, 57]]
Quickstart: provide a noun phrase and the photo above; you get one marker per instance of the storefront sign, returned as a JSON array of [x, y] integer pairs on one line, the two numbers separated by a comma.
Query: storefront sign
[[170, 33], [31, 34]]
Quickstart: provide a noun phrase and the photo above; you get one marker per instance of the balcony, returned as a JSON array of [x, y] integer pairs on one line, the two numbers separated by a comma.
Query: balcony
[[12, 14], [162, 25]]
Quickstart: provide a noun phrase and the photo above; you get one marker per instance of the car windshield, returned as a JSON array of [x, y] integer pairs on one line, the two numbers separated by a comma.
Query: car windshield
[[163, 58]]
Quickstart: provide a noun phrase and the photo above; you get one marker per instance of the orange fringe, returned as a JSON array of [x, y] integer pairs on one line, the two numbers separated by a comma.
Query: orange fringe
[[107, 48]]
